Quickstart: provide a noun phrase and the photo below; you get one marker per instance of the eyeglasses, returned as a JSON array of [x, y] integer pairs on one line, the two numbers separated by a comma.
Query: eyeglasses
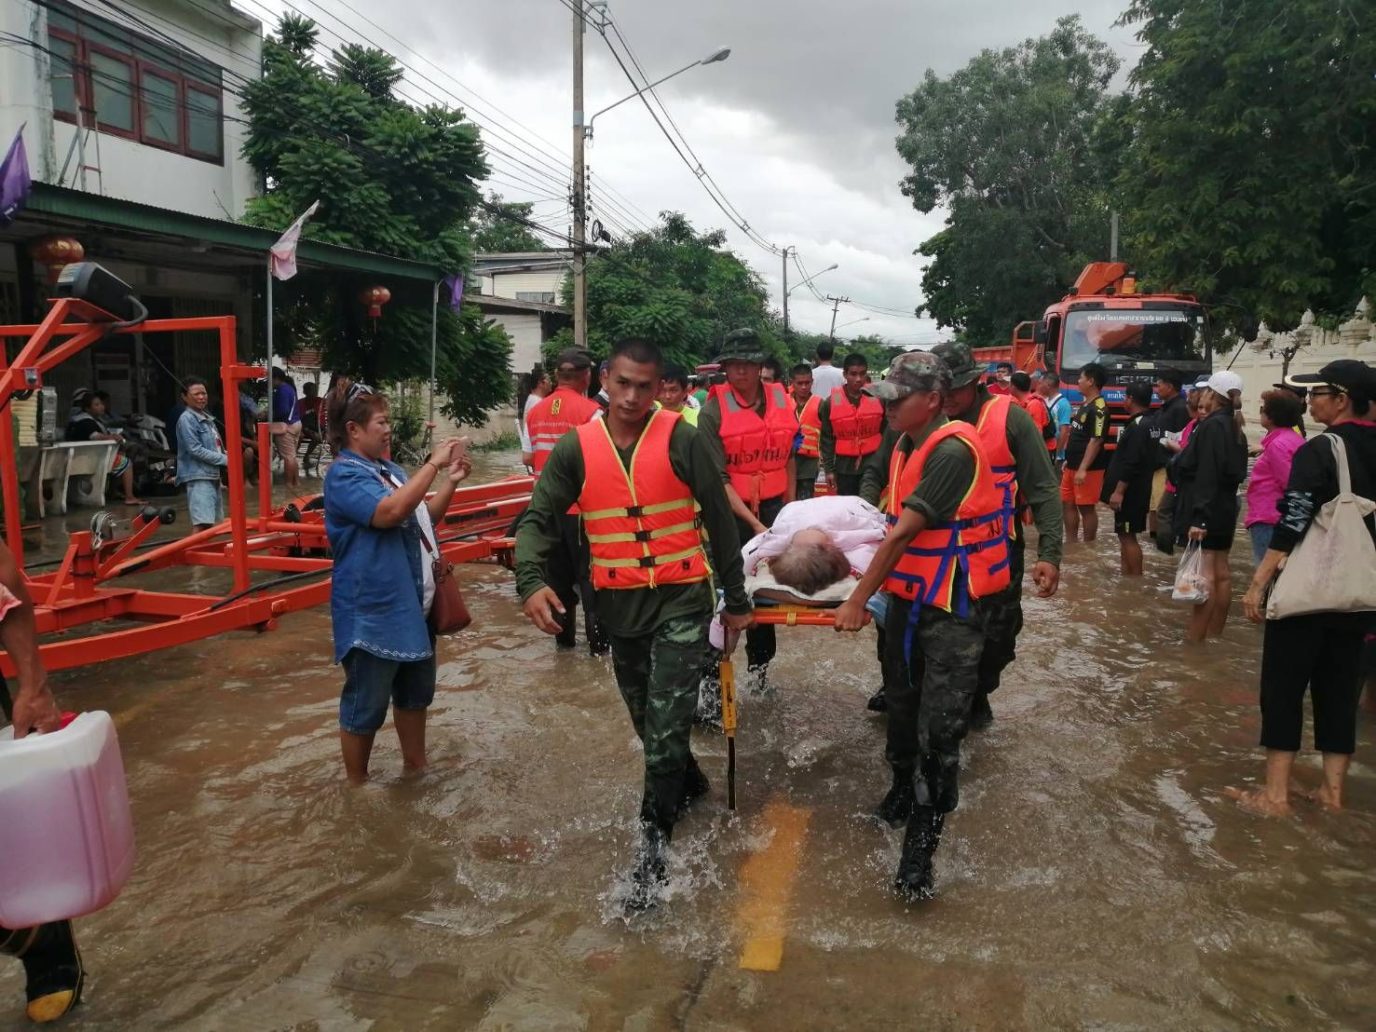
[[1326, 392], [357, 390]]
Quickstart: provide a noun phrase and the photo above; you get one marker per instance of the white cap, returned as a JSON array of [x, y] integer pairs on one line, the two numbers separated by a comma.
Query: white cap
[[1224, 381], [1200, 384]]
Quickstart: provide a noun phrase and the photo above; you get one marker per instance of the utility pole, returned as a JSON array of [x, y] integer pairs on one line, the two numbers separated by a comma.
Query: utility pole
[[786, 250], [836, 303], [580, 210]]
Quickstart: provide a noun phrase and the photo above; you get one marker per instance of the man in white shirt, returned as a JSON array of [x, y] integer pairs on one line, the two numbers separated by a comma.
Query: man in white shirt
[[825, 376]]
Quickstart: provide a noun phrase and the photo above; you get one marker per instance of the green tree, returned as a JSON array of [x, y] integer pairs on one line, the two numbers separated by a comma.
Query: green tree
[[392, 179], [1251, 178], [500, 231], [1012, 145], [675, 288]]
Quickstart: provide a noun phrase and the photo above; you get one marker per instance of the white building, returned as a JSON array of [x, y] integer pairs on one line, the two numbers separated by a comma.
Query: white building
[[521, 291], [135, 100], [133, 126]]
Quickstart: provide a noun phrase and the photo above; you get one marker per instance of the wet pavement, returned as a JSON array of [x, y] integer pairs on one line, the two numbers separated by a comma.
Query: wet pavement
[[1094, 876]]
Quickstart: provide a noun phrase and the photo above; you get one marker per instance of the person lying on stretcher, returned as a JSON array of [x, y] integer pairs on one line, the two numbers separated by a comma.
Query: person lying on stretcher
[[812, 555], [814, 550]]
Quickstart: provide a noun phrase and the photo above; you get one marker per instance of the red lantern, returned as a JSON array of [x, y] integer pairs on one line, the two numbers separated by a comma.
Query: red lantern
[[57, 252], [374, 298]]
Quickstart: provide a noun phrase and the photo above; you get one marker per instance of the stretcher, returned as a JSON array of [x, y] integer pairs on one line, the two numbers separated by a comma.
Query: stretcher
[[774, 614]]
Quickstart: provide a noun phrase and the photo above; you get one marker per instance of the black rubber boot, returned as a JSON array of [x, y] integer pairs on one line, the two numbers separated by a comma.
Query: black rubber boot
[[878, 702], [897, 806], [981, 714], [695, 786], [915, 879], [52, 968], [650, 875]]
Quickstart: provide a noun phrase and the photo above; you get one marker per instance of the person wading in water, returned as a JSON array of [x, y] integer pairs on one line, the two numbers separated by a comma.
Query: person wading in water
[[637, 477]]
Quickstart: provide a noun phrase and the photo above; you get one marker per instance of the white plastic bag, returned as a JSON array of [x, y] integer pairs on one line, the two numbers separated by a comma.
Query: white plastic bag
[[1190, 583]]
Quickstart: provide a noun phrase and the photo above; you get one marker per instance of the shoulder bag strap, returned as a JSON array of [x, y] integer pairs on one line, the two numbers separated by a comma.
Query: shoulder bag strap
[[1340, 460]]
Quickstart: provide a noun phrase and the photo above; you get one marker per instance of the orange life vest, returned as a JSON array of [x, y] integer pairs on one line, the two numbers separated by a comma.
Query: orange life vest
[[992, 429], [950, 563], [810, 426], [856, 428], [757, 448], [642, 524], [552, 417]]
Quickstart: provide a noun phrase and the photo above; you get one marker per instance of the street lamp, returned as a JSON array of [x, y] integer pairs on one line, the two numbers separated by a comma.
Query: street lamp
[[720, 54], [853, 322], [829, 268]]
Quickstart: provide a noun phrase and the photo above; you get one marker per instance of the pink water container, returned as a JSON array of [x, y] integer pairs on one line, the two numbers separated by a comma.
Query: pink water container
[[66, 832]]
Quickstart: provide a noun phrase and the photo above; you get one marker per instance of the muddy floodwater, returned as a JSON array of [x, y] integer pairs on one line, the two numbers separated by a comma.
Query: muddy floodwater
[[1094, 876]]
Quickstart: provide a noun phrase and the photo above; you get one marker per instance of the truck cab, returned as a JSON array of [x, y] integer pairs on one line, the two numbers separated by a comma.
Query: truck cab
[[1134, 336]]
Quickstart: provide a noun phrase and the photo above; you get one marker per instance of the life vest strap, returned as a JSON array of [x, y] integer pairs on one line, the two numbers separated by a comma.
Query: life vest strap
[[642, 535], [647, 560], [637, 511]]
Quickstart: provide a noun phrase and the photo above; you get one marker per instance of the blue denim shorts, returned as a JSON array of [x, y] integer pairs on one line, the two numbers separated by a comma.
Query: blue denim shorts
[[204, 501], [371, 682]]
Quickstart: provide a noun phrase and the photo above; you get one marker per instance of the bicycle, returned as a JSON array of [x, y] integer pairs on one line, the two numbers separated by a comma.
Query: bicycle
[[413, 453]]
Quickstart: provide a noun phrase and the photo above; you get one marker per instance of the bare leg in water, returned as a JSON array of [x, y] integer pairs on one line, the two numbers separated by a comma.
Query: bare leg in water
[[1220, 592], [356, 750], [1273, 798], [1330, 793], [1089, 518], [411, 734], [1071, 516], [1129, 555]]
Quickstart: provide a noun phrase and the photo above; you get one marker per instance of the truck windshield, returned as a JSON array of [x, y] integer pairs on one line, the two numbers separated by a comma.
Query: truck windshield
[[1114, 336]]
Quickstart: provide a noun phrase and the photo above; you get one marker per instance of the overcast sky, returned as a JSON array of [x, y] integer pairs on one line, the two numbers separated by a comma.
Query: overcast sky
[[797, 126]]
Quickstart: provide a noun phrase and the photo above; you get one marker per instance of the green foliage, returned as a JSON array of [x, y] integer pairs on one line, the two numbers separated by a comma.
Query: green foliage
[[391, 178], [493, 234], [504, 441], [675, 288], [1251, 175], [1012, 145]]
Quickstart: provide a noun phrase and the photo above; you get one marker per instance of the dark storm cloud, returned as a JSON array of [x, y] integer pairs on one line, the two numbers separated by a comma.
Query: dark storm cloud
[[828, 71]]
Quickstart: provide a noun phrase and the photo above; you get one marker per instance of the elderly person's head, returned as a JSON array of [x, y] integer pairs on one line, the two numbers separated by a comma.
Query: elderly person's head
[[809, 563]]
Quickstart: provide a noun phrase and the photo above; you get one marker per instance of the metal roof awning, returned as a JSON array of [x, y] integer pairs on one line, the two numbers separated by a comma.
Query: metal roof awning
[[492, 303], [220, 241]]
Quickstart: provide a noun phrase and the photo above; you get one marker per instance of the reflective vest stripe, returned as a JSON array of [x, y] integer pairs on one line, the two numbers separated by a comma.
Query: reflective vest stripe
[[639, 510], [643, 535], [648, 561]]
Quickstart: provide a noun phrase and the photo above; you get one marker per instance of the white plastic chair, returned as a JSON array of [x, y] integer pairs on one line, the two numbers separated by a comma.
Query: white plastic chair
[[87, 471]]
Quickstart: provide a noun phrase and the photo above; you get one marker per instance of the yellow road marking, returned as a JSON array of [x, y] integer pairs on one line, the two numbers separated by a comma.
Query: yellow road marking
[[767, 879]]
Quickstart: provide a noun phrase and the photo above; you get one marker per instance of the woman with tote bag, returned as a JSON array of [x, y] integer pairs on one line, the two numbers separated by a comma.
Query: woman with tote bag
[[1324, 601]]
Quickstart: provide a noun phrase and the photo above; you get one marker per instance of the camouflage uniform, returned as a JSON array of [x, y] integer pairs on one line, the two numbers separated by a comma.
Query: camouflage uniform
[[658, 677], [929, 696]]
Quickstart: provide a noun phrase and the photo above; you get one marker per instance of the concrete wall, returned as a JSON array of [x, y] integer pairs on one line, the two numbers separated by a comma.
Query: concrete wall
[[1259, 362], [128, 169], [524, 330]]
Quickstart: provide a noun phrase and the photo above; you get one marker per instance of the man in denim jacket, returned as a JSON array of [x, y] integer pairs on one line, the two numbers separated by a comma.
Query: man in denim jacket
[[200, 457]]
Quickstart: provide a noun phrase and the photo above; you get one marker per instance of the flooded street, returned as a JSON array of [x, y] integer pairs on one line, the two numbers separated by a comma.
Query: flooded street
[[1094, 876]]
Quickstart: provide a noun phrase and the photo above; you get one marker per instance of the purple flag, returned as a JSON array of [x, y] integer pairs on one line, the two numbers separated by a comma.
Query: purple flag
[[14, 180], [455, 285]]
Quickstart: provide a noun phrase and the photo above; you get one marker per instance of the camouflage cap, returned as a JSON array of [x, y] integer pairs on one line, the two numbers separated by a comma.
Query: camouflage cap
[[960, 361], [741, 345], [911, 371]]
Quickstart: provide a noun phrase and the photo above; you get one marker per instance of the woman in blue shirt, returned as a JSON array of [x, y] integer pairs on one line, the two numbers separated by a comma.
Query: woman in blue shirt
[[381, 531]]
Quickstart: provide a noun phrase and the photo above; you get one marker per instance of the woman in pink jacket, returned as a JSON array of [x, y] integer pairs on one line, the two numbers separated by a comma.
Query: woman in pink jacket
[[1281, 413]]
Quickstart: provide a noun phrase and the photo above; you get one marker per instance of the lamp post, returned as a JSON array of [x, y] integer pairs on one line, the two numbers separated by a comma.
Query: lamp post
[[853, 322], [582, 133], [720, 54]]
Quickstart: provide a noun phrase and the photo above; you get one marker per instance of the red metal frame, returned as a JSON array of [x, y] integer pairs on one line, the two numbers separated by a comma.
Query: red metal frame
[[88, 586]]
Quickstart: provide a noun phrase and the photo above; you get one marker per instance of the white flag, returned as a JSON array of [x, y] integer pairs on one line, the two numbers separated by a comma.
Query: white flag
[[282, 255]]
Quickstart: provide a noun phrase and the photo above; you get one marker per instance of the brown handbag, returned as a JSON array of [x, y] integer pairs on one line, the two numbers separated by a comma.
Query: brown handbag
[[448, 611]]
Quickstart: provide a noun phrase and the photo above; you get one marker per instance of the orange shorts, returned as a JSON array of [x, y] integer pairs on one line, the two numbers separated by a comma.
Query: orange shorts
[[1082, 494]]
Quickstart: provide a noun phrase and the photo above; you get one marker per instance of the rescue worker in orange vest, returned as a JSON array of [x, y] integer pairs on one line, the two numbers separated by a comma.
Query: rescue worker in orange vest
[[637, 477], [806, 406], [1023, 470], [852, 427], [564, 408], [750, 427], [945, 553]]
